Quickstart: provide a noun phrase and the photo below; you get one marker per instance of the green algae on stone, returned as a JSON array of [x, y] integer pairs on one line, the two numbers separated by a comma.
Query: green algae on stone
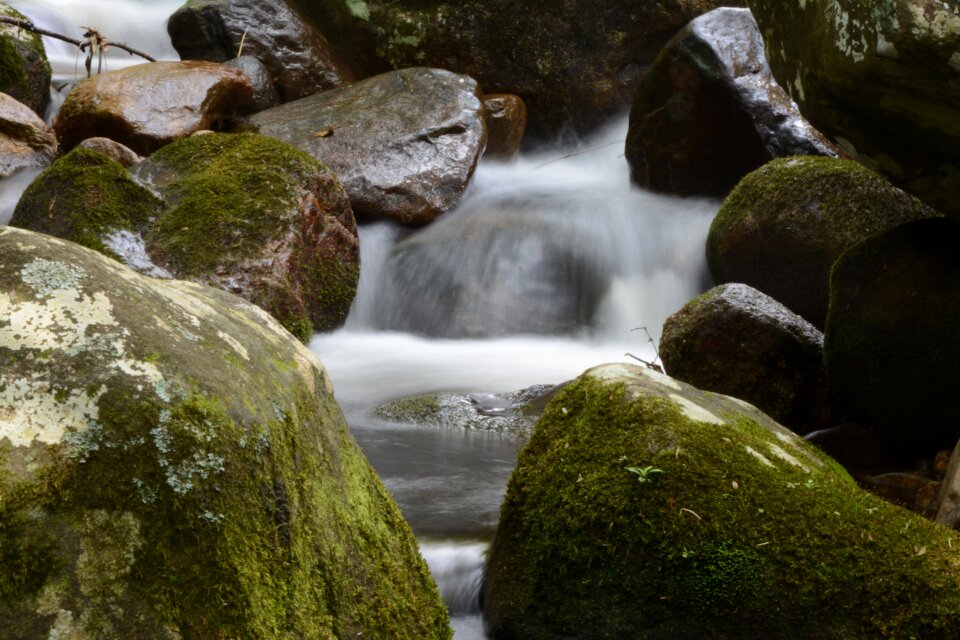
[[747, 532], [174, 465], [24, 69], [84, 197]]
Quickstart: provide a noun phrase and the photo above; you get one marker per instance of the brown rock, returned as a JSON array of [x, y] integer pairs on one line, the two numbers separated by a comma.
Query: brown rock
[[506, 118], [113, 150], [149, 105], [25, 140]]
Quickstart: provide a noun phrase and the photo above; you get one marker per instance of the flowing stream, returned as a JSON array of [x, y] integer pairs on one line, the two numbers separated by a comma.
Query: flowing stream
[[547, 267]]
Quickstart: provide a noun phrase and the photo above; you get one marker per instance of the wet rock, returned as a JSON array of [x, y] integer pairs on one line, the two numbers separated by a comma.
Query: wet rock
[[643, 507], [890, 344], [911, 491], [25, 140], [575, 63], [506, 118], [882, 78], [264, 93], [783, 226], [404, 144], [708, 111], [24, 69], [113, 150], [740, 342], [296, 54], [167, 446], [149, 105], [860, 449]]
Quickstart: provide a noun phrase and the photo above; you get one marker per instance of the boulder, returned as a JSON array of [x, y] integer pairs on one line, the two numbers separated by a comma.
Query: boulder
[[890, 344], [241, 212], [882, 79], [859, 448], [506, 118], [783, 226], [113, 150], [404, 144], [740, 342], [173, 465], [24, 68], [264, 92], [25, 140], [575, 63], [645, 508], [708, 111], [146, 106], [293, 50]]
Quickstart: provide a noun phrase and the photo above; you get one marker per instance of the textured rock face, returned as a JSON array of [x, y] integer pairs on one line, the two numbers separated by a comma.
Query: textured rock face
[[783, 226], [890, 343], [574, 63], [149, 105], [709, 112], [882, 78], [24, 69], [25, 140], [296, 54], [404, 144], [740, 342], [174, 465], [644, 508]]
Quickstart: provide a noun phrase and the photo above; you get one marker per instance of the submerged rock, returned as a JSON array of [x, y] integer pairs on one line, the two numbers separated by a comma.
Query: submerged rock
[[738, 341], [294, 51], [404, 144], [25, 140], [149, 105], [24, 68], [890, 345], [783, 226], [173, 465], [708, 111], [645, 508]]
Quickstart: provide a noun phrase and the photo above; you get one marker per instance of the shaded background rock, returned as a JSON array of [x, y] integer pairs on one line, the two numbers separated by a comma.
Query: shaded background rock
[[506, 118], [739, 520], [574, 64], [709, 112], [404, 144], [859, 448], [783, 226], [740, 342], [113, 150], [174, 464], [149, 105], [296, 54], [24, 68], [264, 92], [25, 140], [880, 78], [890, 343]]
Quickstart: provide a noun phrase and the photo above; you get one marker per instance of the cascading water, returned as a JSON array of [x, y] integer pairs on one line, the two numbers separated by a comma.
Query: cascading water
[[543, 270]]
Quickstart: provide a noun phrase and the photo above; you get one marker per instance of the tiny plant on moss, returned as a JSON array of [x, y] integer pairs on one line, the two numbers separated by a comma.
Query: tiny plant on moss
[[644, 474]]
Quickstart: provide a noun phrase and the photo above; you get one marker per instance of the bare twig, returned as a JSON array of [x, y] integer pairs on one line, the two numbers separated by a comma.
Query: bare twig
[[650, 365], [81, 44], [243, 39], [578, 152]]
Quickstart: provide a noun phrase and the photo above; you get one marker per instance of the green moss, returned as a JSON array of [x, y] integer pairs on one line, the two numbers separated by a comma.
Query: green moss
[[421, 409], [24, 69], [82, 197], [721, 545], [333, 284]]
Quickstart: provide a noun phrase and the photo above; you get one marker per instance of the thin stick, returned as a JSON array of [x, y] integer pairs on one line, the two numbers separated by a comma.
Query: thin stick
[[578, 152], [29, 26]]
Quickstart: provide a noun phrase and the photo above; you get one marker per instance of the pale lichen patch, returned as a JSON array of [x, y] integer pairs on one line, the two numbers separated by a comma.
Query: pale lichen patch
[[59, 322], [759, 456], [33, 412], [694, 411], [783, 455], [48, 276], [233, 342]]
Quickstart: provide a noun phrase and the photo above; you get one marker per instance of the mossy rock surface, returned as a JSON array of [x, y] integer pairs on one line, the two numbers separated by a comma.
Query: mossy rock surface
[[727, 526], [785, 224], [173, 465], [24, 68], [890, 346]]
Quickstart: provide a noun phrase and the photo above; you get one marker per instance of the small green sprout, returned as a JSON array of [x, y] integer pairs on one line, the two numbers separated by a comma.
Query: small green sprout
[[644, 474]]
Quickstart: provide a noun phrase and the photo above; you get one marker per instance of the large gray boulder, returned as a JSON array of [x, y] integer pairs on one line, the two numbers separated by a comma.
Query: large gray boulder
[[645, 508], [173, 465], [708, 111], [404, 144], [881, 78]]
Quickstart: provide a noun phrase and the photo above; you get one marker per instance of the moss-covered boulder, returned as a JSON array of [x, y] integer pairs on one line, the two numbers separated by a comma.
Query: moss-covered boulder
[[882, 78], [24, 68], [783, 226], [295, 52], [146, 106], [890, 345], [740, 342], [574, 63], [713, 71], [644, 508], [25, 140], [174, 465]]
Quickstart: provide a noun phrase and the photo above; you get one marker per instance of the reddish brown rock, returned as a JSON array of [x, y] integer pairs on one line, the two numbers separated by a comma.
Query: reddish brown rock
[[25, 140], [149, 105], [506, 118]]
